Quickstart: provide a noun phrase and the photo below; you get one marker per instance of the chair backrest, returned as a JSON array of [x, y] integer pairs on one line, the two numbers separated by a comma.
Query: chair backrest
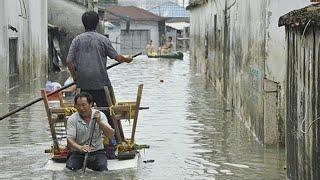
[[50, 120]]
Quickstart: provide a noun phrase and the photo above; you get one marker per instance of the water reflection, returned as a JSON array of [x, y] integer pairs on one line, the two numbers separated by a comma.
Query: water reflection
[[224, 146], [190, 132]]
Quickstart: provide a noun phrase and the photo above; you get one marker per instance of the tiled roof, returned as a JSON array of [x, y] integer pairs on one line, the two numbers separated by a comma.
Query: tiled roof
[[131, 12], [170, 9], [308, 15]]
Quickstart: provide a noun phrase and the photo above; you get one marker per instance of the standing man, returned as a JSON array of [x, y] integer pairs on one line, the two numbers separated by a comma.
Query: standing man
[[87, 60], [79, 127]]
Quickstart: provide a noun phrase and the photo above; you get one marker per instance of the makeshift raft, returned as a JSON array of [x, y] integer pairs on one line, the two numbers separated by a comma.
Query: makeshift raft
[[113, 164], [175, 55], [58, 112]]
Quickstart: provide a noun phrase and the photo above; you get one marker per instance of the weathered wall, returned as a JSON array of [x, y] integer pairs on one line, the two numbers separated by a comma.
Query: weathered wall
[[67, 16], [25, 47], [3, 48], [152, 26], [114, 36], [30, 20], [242, 53], [38, 24], [303, 110]]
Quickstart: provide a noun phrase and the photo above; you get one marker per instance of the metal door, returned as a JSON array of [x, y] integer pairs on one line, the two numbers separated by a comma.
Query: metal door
[[133, 41]]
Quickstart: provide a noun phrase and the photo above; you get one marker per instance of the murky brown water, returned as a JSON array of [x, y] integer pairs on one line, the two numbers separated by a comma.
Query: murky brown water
[[190, 134]]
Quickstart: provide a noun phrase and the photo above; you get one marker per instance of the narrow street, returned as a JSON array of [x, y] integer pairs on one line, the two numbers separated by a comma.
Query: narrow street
[[191, 135]]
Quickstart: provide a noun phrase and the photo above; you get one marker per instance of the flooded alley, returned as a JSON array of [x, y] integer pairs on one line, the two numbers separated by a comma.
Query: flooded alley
[[190, 132]]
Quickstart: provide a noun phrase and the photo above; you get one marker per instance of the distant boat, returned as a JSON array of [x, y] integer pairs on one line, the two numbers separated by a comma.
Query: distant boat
[[173, 55]]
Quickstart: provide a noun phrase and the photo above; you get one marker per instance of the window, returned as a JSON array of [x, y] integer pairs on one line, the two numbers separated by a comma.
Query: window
[[215, 31], [13, 62], [206, 44]]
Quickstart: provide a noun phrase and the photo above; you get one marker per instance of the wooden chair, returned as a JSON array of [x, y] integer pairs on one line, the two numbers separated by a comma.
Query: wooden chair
[[57, 121], [118, 111], [123, 110]]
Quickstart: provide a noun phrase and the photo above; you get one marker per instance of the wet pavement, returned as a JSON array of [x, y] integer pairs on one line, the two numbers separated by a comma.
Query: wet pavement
[[190, 132]]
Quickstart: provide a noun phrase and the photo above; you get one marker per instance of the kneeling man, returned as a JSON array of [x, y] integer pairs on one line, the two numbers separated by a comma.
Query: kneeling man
[[79, 126]]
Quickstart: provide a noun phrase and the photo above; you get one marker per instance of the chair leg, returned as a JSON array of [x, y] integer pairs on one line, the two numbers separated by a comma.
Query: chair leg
[[121, 130], [115, 121], [134, 126]]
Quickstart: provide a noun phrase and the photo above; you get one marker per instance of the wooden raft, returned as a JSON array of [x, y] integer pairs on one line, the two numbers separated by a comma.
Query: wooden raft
[[57, 119]]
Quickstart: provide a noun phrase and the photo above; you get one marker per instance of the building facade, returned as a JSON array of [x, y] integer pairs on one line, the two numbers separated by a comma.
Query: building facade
[[130, 28], [268, 76], [302, 87], [240, 48], [66, 16], [172, 11], [23, 45], [148, 4]]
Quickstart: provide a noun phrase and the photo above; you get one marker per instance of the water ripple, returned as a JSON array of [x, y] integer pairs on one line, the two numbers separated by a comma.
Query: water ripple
[[190, 132]]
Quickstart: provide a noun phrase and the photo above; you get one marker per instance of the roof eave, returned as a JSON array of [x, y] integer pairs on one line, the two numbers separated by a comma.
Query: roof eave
[[300, 17], [196, 4]]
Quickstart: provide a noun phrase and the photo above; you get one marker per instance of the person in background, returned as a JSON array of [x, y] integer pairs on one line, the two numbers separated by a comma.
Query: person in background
[[87, 60], [167, 47], [70, 91], [79, 126], [149, 48]]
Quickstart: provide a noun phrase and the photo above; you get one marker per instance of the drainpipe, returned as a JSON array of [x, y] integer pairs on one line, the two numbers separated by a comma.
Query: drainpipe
[[225, 52]]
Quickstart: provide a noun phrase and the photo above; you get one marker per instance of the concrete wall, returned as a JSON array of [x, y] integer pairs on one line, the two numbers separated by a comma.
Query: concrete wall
[[242, 52], [67, 16], [115, 33], [303, 110], [4, 53], [29, 17], [114, 36], [152, 26], [38, 37]]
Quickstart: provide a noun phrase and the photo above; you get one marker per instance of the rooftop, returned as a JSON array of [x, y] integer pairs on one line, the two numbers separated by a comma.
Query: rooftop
[[178, 25], [195, 3], [131, 12], [307, 15], [170, 9]]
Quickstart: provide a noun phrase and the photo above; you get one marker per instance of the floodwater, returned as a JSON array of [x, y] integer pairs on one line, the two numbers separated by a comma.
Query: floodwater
[[190, 132]]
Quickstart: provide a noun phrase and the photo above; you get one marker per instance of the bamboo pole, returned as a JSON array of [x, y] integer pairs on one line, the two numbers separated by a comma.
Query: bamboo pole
[[56, 91]]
